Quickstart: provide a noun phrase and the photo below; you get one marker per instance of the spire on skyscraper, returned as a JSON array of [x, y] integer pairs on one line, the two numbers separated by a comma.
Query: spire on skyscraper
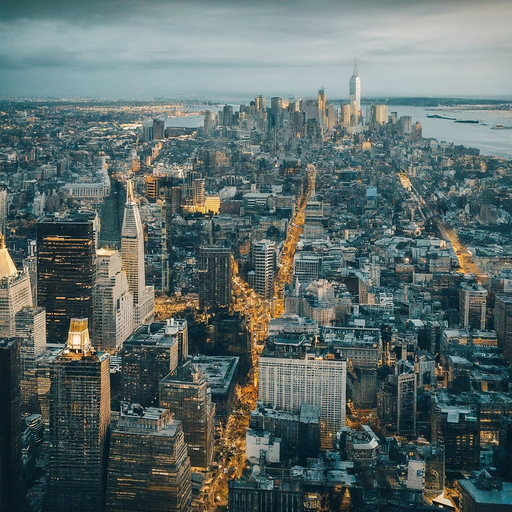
[[132, 255], [130, 198], [355, 72]]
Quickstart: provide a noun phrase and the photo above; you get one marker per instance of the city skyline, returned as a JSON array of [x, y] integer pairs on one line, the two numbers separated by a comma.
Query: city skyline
[[225, 49]]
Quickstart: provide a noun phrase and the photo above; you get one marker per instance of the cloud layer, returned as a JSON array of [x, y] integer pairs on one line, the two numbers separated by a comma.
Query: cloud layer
[[222, 49]]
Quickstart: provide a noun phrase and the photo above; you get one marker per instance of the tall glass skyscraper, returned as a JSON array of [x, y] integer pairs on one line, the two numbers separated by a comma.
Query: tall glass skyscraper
[[66, 271], [79, 423]]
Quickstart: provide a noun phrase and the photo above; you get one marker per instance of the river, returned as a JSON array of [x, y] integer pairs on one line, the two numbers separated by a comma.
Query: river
[[489, 142]]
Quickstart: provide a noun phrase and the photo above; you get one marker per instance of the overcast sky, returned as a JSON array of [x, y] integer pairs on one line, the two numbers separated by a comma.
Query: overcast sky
[[235, 49]]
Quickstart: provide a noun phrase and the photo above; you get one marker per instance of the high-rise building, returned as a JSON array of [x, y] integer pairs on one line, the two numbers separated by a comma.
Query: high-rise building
[[147, 131], [31, 329], [405, 125], [406, 410], [148, 466], [503, 324], [79, 423], [227, 115], [66, 268], [153, 186], [178, 327], [322, 118], [345, 114], [113, 301], [132, 255], [276, 110], [210, 122], [158, 129], [10, 426], [472, 305], [214, 267], [377, 114], [259, 103], [188, 396], [15, 291], [290, 375], [148, 355], [198, 192], [355, 95], [263, 255], [112, 215], [363, 348]]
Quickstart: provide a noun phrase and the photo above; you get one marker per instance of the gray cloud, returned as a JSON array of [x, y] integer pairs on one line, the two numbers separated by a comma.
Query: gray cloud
[[217, 47]]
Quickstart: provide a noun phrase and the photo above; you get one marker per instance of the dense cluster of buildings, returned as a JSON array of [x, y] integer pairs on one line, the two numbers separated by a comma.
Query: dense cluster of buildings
[[343, 292]]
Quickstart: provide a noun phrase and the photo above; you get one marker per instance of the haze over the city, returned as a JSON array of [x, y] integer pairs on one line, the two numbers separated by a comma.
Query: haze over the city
[[235, 49]]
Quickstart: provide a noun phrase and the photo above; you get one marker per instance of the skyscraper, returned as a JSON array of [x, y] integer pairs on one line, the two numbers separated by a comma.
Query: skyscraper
[[149, 354], [263, 255], [214, 268], [31, 329], [132, 253], [188, 396], [178, 327], [148, 467], [406, 410], [111, 215], [472, 305], [113, 301], [198, 192], [10, 426], [66, 270], [15, 291], [503, 324], [158, 128], [322, 119], [355, 95], [79, 422]]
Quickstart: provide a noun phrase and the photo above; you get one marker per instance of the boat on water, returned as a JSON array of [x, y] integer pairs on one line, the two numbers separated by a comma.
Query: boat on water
[[436, 116], [467, 121], [501, 127]]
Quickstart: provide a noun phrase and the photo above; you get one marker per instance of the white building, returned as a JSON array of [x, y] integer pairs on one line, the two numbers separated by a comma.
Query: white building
[[264, 263], [473, 305], [15, 291], [287, 380], [113, 302], [355, 95], [260, 445], [132, 254]]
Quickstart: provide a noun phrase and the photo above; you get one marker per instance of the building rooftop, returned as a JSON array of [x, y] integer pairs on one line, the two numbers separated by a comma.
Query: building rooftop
[[218, 371], [490, 497]]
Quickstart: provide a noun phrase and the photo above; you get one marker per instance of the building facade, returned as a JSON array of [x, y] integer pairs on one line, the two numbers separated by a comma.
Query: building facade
[[15, 291], [472, 305], [214, 268], [287, 380], [187, 395], [66, 271], [263, 255], [113, 302], [132, 254], [148, 466], [79, 423], [148, 355], [10, 426], [503, 324]]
